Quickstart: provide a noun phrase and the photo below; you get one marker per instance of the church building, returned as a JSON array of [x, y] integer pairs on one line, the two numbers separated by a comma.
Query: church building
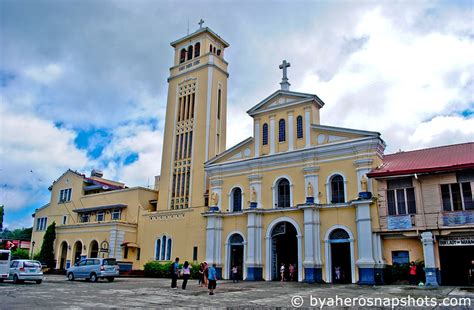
[[294, 193]]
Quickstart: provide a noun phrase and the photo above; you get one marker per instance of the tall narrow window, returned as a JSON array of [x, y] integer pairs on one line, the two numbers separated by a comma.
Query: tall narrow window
[[157, 249], [299, 127], [219, 93], [190, 143], [185, 145], [182, 56], [210, 48], [457, 196], [168, 249], [283, 191], [163, 247], [190, 52], [197, 49], [337, 189], [237, 200], [265, 134], [281, 131], [192, 105]]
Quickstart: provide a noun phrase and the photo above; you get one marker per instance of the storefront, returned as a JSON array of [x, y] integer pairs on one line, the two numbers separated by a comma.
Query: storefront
[[457, 260]]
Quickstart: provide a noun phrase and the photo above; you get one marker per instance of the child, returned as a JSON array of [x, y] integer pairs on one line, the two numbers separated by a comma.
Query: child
[[234, 274], [282, 272]]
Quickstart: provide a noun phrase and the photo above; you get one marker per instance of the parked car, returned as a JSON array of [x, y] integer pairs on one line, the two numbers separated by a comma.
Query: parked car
[[93, 269], [25, 270], [5, 256]]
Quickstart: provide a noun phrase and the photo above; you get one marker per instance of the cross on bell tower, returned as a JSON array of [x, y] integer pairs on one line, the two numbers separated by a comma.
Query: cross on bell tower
[[200, 23], [285, 85]]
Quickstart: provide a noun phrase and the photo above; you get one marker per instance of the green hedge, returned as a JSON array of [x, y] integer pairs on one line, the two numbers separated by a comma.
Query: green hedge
[[157, 269], [20, 254]]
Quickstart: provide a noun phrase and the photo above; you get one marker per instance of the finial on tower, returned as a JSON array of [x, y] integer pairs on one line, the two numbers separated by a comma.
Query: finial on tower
[[200, 23], [285, 85]]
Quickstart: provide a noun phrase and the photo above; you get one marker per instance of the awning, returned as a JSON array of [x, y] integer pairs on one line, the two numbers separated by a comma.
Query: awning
[[129, 245], [99, 208]]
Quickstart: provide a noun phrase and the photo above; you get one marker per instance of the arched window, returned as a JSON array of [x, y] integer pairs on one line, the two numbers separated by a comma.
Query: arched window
[[337, 189], [190, 52], [236, 200], [236, 239], [163, 247], [283, 191], [265, 134], [182, 55], [299, 127], [281, 131], [197, 49], [168, 250], [157, 249], [218, 52], [338, 234], [214, 49], [210, 48]]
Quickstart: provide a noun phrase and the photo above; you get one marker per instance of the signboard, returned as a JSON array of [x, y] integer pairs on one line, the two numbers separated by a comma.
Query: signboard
[[399, 222], [456, 241], [104, 247]]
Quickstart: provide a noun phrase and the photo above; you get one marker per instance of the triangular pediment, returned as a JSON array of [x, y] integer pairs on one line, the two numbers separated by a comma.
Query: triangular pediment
[[330, 134], [282, 98], [240, 151]]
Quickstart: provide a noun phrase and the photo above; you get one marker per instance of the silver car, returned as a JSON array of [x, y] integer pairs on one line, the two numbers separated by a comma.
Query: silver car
[[25, 270], [93, 269]]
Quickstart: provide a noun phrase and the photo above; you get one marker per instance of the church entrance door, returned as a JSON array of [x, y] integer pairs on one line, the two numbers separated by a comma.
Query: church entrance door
[[284, 252]]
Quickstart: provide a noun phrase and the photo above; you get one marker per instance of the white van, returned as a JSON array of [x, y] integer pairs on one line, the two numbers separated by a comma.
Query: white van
[[5, 256]]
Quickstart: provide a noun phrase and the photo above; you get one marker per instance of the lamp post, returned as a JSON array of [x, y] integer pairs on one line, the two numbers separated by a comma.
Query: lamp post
[[32, 249]]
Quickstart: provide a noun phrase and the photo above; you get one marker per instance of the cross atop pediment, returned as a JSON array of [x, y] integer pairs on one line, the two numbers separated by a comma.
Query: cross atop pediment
[[285, 85]]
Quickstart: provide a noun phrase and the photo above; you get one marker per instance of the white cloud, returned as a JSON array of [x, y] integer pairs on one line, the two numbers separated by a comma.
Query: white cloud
[[397, 80], [44, 74], [34, 152]]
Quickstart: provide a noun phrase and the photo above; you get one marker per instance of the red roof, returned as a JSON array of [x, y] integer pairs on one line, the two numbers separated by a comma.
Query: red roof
[[443, 158]]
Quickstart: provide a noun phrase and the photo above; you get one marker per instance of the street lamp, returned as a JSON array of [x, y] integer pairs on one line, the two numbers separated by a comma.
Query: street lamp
[[32, 248]]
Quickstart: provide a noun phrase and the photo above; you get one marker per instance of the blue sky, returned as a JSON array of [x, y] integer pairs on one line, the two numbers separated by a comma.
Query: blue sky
[[83, 83]]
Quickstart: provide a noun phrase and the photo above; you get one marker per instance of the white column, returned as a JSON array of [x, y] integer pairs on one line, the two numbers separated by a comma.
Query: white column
[[272, 134], [216, 187], [255, 180], [254, 245], [256, 135], [366, 262], [363, 166], [311, 175], [312, 246], [290, 131], [213, 239], [428, 254], [307, 126]]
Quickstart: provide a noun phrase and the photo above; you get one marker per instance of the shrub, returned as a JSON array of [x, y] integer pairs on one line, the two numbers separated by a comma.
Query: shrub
[[157, 269], [20, 254]]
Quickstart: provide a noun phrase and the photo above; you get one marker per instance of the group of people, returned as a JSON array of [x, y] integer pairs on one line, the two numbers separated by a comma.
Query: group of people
[[207, 275], [291, 273]]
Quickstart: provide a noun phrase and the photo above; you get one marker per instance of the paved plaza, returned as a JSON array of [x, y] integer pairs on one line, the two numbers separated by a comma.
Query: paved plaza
[[57, 292]]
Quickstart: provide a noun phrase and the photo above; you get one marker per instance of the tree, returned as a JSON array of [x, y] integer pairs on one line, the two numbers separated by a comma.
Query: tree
[[1, 217], [47, 248]]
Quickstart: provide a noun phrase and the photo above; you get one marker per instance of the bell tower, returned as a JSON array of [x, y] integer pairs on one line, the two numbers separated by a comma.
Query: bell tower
[[195, 125]]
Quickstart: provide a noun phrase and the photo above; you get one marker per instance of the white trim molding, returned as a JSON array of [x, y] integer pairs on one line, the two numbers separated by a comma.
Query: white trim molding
[[327, 251], [275, 190], [329, 189], [227, 265], [268, 243]]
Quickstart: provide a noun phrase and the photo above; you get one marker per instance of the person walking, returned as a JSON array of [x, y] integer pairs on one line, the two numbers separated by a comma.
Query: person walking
[[174, 273], [282, 272], [212, 279], [186, 274], [206, 274], [201, 274], [292, 272], [235, 272]]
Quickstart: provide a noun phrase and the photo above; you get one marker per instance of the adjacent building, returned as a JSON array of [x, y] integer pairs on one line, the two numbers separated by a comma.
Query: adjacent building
[[426, 210]]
